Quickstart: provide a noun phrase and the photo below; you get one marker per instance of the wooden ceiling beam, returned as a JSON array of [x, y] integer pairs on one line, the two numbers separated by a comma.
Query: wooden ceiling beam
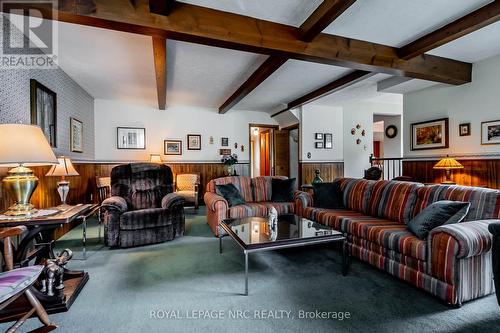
[[161, 7], [322, 17], [336, 85], [211, 27], [160, 60], [465, 25], [260, 75]]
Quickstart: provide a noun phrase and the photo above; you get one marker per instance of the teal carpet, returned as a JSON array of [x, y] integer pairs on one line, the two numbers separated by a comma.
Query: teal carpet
[[127, 287]]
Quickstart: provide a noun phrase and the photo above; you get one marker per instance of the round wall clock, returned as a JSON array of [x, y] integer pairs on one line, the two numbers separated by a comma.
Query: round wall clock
[[391, 131]]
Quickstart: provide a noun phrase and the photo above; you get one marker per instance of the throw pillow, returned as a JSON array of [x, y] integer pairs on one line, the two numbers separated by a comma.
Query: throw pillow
[[328, 195], [436, 214], [231, 194], [282, 190]]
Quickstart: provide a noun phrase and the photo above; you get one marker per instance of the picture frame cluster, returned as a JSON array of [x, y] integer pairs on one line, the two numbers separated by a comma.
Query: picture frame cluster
[[323, 140]]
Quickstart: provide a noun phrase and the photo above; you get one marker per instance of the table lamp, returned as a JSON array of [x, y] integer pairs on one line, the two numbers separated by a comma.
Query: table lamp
[[63, 169], [22, 145], [447, 164], [155, 158]]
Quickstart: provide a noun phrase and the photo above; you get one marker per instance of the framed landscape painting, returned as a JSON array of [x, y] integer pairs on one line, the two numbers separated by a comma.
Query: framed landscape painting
[[76, 135], [131, 138], [44, 110], [172, 147], [432, 134], [490, 132]]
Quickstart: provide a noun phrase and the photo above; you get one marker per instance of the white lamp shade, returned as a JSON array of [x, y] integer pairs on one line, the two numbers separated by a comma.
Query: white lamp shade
[[155, 158], [64, 168], [24, 144]]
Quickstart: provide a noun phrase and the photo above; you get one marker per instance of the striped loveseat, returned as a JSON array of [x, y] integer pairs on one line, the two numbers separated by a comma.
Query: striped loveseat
[[257, 193], [453, 263]]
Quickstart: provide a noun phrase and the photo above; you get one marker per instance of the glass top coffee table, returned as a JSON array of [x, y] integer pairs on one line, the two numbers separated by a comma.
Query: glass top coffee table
[[253, 234]]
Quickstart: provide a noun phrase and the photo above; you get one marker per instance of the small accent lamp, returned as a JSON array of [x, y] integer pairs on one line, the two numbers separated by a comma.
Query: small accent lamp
[[155, 158], [22, 145], [448, 163], [63, 169]]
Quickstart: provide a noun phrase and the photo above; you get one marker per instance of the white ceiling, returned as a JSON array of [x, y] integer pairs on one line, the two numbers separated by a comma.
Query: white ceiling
[[115, 65], [290, 12], [292, 80], [109, 64]]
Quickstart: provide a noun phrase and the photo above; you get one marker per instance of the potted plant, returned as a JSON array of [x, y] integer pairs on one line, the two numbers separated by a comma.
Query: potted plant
[[229, 161]]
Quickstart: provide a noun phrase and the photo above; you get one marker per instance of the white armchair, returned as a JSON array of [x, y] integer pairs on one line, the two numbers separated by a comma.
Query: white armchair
[[187, 186]]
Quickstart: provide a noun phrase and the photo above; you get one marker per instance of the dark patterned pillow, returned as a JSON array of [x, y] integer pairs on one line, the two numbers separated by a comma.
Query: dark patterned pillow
[[231, 194], [328, 195], [436, 214], [282, 190]]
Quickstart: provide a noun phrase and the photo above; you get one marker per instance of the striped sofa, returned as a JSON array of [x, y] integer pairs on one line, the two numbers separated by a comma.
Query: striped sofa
[[453, 263], [257, 194]]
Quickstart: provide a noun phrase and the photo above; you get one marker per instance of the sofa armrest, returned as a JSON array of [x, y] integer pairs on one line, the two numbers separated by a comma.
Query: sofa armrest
[[172, 200], [302, 201], [115, 202], [470, 238], [214, 201]]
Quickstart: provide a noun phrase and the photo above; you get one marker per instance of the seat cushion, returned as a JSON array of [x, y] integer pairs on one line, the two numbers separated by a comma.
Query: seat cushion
[[188, 195], [393, 200], [15, 281], [329, 217], [281, 207], [146, 218], [386, 233], [249, 209]]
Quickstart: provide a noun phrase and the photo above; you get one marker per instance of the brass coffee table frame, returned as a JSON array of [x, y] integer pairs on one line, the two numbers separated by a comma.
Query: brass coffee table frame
[[247, 249]]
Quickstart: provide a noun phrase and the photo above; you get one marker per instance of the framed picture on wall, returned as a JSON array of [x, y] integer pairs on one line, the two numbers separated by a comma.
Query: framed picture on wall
[[328, 140], [44, 110], [319, 145], [318, 136], [224, 142], [194, 142], [490, 132], [76, 135], [172, 147], [131, 138], [224, 151], [432, 134], [464, 129]]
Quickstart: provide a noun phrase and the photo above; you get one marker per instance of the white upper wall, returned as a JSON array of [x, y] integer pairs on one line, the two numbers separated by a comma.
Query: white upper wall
[[475, 102], [173, 123]]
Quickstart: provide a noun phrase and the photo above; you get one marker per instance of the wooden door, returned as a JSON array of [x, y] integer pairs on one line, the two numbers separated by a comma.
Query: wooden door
[[282, 153], [265, 156], [376, 148]]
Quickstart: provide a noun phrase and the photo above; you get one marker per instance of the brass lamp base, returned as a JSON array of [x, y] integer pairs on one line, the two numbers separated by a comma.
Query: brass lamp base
[[21, 183]]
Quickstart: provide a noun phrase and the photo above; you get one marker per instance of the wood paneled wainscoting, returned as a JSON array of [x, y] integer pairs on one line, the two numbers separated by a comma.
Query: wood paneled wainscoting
[[329, 171], [476, 172], [83, 187]]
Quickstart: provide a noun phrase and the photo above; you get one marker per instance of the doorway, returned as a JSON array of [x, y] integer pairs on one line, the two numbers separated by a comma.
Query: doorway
[[269, 151]]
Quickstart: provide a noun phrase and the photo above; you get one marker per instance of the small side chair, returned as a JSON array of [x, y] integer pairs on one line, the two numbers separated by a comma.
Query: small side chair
[[187, 185]]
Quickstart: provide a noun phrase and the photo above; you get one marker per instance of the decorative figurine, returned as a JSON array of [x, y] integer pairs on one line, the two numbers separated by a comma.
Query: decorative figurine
[[272, 222], [54, 270]]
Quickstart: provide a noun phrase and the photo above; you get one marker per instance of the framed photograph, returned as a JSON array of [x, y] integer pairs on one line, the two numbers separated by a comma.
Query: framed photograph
[[194, 142], [224, 142], [172, 147], [318, 136], [131, 138], [318, 145], [432, 134], [76, 135], [464, 129], [328, 140], [490, 132], [44, 110], [224, 151]]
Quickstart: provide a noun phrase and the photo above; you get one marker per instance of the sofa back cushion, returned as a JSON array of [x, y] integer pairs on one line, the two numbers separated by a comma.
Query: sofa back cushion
[[485, 203], [393, 200], [242, 183], [262, 188], [356, 193]]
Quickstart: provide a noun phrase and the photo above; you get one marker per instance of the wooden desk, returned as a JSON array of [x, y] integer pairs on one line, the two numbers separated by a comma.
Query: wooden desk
[[40, 231]]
